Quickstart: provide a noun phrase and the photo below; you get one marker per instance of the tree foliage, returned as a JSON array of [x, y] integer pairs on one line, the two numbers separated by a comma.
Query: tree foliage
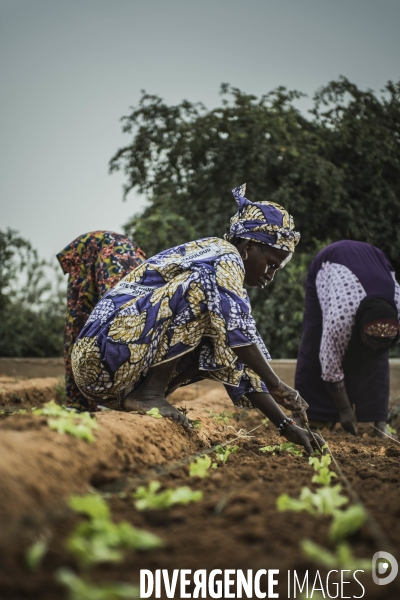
[[336, 171], [32, 301]]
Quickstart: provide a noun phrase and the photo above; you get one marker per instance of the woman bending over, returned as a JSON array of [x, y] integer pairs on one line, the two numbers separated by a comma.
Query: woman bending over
[[184, 315]]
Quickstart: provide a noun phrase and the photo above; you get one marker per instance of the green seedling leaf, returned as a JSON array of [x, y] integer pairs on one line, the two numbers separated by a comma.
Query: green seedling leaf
[[341, 559], [305, 502], [285, 447], [79, 589], [214, 465], [91, 505], [80, 425], [323, 502], [223, 454], [101, 540], [324, 449], [35, 554], [324, 477], [346, 522], [319, 463], [271, 449], [200, 467], [195, 423], [151, 498], [154, 412], [52, 409], [391, 430], [221, 417], [81, 431]]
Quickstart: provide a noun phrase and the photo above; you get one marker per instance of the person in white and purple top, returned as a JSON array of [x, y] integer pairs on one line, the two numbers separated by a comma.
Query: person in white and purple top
[[351, 320]]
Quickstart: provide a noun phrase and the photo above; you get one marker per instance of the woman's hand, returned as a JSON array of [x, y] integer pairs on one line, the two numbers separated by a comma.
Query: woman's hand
[[289, 398], [348, 420], [302, 437]]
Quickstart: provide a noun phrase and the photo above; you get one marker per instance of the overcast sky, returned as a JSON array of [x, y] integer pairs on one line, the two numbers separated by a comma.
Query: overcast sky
[[71, 68]]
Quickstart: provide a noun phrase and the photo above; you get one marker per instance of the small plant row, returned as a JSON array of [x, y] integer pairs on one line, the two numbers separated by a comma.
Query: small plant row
[[78, 424], [98, 539], [328, 500]]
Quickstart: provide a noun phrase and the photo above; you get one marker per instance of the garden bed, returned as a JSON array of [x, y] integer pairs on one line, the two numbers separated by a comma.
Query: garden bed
[[235, 526]]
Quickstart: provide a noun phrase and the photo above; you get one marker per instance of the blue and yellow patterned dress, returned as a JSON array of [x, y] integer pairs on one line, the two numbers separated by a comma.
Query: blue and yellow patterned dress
[[187, 301]]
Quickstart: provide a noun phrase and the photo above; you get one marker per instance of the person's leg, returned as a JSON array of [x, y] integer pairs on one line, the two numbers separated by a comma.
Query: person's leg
[[152, 391]]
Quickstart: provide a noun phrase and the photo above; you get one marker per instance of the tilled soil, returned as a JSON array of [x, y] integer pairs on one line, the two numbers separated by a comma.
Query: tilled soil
[[235, 526]]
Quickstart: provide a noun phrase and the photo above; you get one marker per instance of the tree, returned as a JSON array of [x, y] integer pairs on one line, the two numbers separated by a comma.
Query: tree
[[32, 301], [337, 172]]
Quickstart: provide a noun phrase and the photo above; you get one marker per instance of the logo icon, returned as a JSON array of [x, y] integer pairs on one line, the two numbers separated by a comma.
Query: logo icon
[[382, 563]]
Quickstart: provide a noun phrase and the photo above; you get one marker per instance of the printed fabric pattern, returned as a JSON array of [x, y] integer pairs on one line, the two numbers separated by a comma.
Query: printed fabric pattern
[[190, 296], [339, 293], [95, 262]]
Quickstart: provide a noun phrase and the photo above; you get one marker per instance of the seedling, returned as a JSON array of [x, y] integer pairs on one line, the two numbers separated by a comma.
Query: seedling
[[323, 502], [346, 522], [223, 454], [285, 447], [151, 498], [391, 430], [79, 589], [341, 559], [200, 467], [221, 417], [80, 425], [154, 412], [99, 539], [35, 554], [324, 475]]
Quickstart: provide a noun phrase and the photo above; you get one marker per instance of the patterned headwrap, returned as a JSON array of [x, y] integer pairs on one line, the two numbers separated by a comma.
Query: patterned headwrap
[[264, 222]]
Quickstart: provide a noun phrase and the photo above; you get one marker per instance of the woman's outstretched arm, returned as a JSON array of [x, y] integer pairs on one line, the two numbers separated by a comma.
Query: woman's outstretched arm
[[282, 393]]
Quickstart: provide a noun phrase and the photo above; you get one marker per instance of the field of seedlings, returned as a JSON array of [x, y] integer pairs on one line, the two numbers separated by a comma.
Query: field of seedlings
[[89, 501]]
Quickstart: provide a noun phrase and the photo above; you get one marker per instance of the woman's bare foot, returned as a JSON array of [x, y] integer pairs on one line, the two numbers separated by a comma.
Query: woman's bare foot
[[165, 408], [151, 394]]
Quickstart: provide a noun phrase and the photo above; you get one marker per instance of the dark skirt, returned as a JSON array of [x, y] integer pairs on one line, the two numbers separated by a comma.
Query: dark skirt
[[368, 388]]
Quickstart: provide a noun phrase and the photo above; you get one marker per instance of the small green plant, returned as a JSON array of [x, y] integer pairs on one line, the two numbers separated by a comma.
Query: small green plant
[[223, 454], [222, 417], [35, 554], [151, 498], [200, 467], [285, 447], [79, 589], [52, 409], [154, 412], [322, 502], [391, 430], [80, 425], [346, 522], [265, 422], [321, 465], [8, 413], [324, 449], [99, 539], [342, 558]]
